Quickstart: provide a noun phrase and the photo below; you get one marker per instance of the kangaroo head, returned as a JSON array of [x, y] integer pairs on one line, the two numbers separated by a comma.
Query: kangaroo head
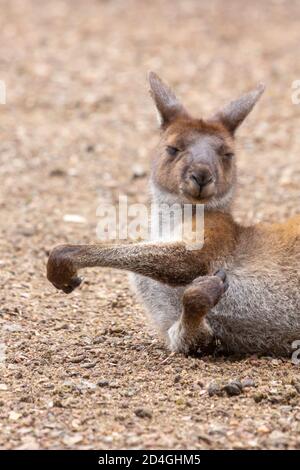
[[195, 162]]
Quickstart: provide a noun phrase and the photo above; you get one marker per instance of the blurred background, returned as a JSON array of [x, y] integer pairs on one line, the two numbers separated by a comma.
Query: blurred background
[[77, 129]]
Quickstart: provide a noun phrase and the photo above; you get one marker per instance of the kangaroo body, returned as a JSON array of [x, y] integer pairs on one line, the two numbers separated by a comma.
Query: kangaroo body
[[260, 311], [241, 290]]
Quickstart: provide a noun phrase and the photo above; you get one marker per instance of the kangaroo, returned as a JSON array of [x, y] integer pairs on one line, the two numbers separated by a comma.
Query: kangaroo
[[240, 291]]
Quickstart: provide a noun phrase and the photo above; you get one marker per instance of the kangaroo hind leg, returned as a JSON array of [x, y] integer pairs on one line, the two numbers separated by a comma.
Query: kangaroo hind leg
[[191, 332]]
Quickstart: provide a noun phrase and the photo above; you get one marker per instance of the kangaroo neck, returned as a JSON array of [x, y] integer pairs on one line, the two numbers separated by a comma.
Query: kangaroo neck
[[161, 197], [214, 222]]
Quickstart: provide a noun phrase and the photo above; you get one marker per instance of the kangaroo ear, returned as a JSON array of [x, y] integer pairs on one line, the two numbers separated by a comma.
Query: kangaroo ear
[[236, 111], [168, 106]]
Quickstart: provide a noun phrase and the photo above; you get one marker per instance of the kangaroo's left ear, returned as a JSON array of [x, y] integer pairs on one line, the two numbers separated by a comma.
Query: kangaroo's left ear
[[232, 115]]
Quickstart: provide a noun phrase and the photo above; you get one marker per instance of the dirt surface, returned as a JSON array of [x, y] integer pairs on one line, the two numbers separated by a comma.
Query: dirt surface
[[86, 371]]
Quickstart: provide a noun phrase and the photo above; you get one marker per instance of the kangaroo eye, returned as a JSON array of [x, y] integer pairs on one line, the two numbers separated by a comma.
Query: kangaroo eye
[[172, 151], [228, 155]]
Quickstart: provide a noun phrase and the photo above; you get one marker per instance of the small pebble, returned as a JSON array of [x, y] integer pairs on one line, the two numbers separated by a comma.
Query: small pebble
[[248, 383], [13, 416], [138, 171], [103, 383], [57, 172], [143, 413], [57, 404], [89, 365], [77, 359], [233, 388], [258, 397], [74, 218], [214, 389]]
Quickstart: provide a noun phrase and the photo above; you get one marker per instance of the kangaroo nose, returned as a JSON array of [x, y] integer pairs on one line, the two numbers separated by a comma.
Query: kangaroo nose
[[202, 177]]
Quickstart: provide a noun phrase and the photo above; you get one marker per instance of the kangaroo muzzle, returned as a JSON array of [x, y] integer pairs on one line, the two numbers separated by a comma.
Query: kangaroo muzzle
[[199, 182]]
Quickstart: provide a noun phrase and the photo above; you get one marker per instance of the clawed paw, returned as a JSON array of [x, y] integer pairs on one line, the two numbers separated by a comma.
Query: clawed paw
[[70, 286], [61, 271], [223, 276], [205, 292]]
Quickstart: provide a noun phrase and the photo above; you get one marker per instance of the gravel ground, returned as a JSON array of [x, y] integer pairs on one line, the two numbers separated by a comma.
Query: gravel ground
[[86, 371]]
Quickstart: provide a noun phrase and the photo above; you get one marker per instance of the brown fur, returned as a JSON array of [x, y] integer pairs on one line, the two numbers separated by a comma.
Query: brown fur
[[182, 133]]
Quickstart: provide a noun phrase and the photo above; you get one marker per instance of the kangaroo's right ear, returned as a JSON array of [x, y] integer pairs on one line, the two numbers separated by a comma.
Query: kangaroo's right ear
[[168, 106]]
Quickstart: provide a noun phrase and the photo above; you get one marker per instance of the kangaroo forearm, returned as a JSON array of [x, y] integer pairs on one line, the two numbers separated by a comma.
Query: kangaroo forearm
[[171, 263]]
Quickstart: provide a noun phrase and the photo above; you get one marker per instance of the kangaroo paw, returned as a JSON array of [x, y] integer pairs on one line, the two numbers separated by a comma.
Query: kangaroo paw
[[204, 293], [60, 270]]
